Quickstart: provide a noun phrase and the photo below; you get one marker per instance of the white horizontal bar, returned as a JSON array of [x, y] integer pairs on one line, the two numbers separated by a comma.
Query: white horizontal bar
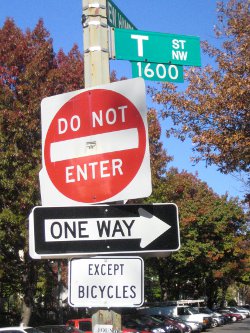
[[94, 145], [92, 22], [94, 5]]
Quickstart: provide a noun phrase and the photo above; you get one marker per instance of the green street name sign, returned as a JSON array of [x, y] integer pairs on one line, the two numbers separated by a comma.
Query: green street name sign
[[116, 18], [157, 72], [157, 47]]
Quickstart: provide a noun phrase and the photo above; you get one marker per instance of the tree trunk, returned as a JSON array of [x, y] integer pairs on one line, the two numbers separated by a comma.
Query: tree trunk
[[29, 285], [223, 296], [26, 313]]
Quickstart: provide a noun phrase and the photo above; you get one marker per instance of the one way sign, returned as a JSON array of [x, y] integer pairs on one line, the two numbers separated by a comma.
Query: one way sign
[[60, 232]]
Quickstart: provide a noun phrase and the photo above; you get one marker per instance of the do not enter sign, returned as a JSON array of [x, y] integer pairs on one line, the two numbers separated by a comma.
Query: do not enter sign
[[95, 145]]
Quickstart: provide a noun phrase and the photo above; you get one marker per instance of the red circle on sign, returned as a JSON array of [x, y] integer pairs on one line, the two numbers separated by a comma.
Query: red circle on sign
[[94, 146]]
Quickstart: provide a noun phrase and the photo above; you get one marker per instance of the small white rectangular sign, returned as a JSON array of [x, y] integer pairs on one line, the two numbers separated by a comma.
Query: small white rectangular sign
[[106, 282]]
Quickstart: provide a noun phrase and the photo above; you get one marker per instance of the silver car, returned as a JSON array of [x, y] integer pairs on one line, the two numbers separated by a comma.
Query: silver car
[[19, 329]]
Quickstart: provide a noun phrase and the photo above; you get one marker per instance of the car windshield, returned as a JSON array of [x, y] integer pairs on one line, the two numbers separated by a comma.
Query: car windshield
[[150, 320], [206, 310], [235, 310], [192, 310]]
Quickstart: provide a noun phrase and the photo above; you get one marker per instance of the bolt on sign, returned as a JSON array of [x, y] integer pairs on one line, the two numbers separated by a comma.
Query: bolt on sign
[[95, 145]]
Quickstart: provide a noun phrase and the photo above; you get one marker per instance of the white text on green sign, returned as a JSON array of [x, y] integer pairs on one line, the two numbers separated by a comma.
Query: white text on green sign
[[157, 72], [116, 18], [157, 47]]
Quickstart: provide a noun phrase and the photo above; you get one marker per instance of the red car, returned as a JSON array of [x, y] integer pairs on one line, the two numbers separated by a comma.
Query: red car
[[234, 316], [85, 324]]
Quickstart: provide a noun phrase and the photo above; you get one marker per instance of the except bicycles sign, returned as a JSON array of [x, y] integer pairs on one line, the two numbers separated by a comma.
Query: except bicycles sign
[[106, 282]]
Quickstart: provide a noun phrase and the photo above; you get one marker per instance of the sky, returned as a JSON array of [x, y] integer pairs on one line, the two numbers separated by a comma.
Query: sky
[[62, 18]]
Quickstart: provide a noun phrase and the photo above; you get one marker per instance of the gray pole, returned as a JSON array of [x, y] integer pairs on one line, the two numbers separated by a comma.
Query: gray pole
[[95, 42], [96, 72]]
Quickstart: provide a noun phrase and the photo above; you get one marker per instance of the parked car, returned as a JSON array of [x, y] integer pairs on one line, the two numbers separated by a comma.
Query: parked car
[[226, 319], [240, 310], [245, 308], [234, 316], [85, 324], [167, 323], [167, 320], [144, 326], [58, 329], [19, 329], [187, 313], [217, 318], [192, 326], [234, 310]]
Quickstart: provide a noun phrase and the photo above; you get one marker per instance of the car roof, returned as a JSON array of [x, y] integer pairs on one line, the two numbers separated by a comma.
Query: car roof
[[9, 328], [51, 328], [19, 328], [81, 319]]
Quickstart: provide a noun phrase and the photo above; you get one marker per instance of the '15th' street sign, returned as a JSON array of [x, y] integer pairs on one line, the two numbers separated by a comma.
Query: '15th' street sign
[[116, 18], [156, 47]]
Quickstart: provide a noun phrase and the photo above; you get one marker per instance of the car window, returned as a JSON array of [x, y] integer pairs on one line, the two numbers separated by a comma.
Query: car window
[[193, 310], [181, 311], [85, 325]]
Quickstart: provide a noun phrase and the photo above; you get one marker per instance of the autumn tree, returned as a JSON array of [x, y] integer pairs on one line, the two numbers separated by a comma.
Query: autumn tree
[[214, 241], [213, 233], [214, 112], [214, 109], [29, 71], [159, 157]]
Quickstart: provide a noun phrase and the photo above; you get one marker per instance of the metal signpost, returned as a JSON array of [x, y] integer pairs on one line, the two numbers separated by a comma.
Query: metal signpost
[[95, 41], [156, 47]]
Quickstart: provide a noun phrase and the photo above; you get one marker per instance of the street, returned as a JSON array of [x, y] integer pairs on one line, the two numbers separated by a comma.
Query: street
[[242, 327]]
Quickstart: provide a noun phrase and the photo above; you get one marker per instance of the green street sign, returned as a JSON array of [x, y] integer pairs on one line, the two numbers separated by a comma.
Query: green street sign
[[116, 18], [157, 72], [157, 47]]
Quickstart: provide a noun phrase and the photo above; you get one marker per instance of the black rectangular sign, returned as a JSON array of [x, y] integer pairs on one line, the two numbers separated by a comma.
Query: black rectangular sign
[[62, 232]]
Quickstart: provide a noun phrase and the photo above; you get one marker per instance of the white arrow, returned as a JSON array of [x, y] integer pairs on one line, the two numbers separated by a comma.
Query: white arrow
[[145, 227]]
